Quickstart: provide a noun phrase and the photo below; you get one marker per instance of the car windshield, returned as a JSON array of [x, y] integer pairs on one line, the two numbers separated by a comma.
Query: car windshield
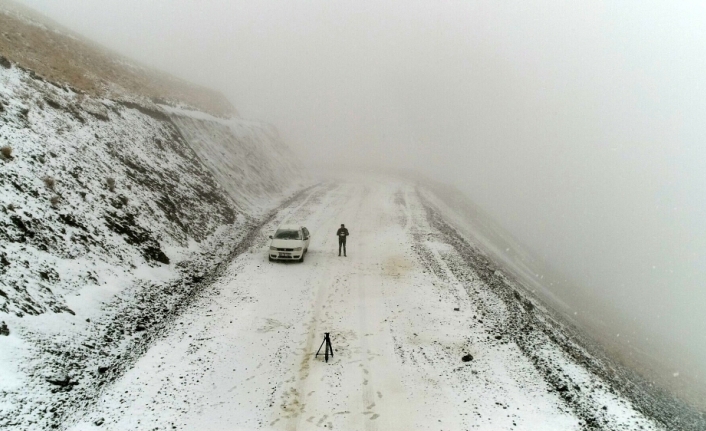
[[288, 234]]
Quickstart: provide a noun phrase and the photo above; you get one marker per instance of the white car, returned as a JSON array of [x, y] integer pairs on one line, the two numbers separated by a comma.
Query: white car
[[290, 242]]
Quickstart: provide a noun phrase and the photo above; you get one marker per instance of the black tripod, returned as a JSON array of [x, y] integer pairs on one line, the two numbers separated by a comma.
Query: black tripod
[[328, 348]]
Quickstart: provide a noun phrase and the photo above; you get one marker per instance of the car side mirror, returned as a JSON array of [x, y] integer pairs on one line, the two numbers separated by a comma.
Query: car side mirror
[[270, 236]]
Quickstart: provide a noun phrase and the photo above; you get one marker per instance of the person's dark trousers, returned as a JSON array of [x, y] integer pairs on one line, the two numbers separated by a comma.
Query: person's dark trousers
[[342, 243]]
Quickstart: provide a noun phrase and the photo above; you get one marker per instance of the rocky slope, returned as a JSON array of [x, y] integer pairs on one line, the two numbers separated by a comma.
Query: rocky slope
[[94, 186], [113, 211]]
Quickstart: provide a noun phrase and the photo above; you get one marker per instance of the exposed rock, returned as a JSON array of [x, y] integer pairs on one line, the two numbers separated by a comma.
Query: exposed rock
[[4, 330], [6, 151], [467, 358], [63, 381]]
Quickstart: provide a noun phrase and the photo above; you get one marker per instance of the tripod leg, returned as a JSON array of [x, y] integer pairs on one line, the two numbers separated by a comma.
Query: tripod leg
[[328, 347], [322, 345]]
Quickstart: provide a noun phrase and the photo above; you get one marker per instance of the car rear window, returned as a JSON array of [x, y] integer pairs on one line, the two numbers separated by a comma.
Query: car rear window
[[288, 234]]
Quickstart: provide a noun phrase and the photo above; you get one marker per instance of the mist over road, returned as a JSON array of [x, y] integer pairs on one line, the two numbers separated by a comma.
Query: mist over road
[[542, 214], [403, 309], [576, 127]]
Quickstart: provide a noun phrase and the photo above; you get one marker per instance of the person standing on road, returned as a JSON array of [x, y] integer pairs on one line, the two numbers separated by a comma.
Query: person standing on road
[[342, 233]]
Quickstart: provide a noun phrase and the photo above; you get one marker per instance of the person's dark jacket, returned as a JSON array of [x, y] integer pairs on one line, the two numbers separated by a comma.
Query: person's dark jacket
[[342, 233]]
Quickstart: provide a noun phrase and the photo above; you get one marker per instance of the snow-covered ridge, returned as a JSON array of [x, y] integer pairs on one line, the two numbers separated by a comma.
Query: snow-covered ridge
[[102, 202], [60, 55]]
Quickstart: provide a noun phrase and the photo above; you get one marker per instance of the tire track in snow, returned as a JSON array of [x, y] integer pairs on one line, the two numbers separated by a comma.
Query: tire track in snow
[[315, 334]]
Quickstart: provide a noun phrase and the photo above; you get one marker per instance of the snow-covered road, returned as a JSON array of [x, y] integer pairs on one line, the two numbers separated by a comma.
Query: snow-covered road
[[400, 320]]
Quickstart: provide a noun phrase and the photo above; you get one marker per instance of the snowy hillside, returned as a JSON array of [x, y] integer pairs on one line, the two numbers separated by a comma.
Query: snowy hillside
[[110, 214], [240, 153]]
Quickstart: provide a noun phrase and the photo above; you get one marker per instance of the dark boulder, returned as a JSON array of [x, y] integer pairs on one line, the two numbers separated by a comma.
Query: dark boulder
[[63, 381]]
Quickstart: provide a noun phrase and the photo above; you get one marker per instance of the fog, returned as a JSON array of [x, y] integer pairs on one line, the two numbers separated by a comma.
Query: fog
[[579, 126]]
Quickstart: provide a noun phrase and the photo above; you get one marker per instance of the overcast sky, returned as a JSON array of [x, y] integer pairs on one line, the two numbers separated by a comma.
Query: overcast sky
[[580, 126]]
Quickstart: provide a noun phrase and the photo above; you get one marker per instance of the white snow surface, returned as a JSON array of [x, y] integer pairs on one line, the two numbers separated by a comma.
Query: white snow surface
[[243, 356]]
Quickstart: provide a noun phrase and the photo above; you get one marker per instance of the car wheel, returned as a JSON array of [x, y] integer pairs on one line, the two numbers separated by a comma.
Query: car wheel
[[270, 258], [301, 259]]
